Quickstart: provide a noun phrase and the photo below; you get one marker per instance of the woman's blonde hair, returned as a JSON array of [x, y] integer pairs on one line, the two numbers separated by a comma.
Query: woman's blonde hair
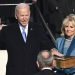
[[69, 18]]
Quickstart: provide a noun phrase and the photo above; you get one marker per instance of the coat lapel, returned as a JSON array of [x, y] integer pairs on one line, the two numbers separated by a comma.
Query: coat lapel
[[30, 32], [18, 35], [61, 44], [71, 48]]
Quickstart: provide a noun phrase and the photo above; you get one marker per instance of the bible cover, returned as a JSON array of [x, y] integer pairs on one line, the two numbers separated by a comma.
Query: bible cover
[[65, 62]]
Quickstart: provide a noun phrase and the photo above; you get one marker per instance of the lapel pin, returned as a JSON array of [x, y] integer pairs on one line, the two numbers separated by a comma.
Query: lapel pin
[[31, 29]]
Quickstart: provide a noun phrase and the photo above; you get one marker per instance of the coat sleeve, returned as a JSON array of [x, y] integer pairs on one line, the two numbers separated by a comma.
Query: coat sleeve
[[46, 42], [2, 39]]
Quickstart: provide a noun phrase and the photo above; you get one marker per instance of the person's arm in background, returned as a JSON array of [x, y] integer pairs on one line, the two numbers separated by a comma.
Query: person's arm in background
[[2, 38], [45, 41]]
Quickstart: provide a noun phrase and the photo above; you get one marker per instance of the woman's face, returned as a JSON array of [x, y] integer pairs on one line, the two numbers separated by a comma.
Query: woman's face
[[70, 29]]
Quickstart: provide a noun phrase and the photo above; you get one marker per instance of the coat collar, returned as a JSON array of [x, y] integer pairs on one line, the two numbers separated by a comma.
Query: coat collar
[[70, 49]]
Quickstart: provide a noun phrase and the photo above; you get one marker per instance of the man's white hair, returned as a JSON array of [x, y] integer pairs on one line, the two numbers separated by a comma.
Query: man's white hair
[[21, 5]]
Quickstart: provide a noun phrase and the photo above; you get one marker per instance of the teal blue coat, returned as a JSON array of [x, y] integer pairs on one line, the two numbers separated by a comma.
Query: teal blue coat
[[70, 52]]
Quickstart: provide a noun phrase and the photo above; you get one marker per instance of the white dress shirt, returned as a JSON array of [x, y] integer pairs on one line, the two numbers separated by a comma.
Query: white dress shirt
[[26, 29]]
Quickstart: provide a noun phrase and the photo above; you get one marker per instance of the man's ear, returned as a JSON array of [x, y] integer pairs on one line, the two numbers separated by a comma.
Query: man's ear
[[37, 63], [15, 16]]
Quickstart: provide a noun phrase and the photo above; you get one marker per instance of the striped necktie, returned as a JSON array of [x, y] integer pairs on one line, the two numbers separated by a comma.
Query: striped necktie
[[24, 34]]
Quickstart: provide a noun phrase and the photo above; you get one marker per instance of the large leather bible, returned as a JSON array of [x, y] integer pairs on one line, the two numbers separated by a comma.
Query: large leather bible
[[65, 62]]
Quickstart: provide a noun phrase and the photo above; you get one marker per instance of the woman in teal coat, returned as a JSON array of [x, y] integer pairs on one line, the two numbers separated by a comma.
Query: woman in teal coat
[[66, 43]]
